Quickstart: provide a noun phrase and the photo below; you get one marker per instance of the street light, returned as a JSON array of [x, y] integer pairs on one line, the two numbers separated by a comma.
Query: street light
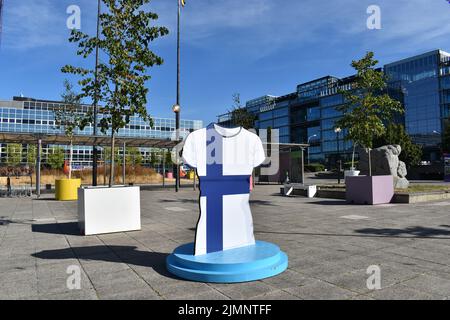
[[313, 136], [338, 160], [177, 109]]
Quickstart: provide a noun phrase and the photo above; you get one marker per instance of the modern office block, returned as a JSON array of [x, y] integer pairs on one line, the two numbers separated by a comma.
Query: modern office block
[[308, 115], [27, 115]]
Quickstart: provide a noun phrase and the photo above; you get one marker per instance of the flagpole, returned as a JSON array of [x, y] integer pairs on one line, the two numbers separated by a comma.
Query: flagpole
[[177, 114], [94, 147]]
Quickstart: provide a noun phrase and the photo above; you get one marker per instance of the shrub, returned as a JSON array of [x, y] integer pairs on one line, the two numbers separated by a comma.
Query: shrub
[[348, 165], [314, 167]]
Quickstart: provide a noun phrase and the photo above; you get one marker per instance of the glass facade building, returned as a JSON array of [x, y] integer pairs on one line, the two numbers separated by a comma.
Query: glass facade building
[[26, 115], [421, 83]]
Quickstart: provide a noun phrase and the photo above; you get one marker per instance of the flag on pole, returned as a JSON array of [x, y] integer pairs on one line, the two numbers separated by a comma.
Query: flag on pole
[[183, 2]]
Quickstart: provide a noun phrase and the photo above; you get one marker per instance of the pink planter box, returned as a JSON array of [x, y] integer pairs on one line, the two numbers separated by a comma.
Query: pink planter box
[[369, 190]]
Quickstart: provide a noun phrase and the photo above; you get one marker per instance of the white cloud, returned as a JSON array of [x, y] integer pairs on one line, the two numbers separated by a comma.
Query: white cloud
[[257, 27], [31, 24], [262, 27]]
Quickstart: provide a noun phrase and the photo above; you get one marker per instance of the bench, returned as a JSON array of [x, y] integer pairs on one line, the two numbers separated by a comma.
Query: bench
[[290, 189]]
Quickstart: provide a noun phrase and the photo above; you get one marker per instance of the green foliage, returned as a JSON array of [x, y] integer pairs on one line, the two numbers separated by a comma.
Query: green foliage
[[133, 156], [31, 154], [168, 159], [314, 167], [367, 106], [446, 137], [240, 117], [348, 165], [396, 134], [117, 154], [55, 158], [69, 116], [13, 154], [126, 34], [153, 159]]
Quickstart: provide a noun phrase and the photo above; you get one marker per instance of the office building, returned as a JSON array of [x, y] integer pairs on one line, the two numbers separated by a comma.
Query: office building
[[308, 115], [27, 115]]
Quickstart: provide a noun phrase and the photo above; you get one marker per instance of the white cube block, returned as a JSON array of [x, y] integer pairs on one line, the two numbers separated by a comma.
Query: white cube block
[[109, 210]]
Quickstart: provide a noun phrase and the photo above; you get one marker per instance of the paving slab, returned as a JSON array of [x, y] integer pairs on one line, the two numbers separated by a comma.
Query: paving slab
[[328, 254]]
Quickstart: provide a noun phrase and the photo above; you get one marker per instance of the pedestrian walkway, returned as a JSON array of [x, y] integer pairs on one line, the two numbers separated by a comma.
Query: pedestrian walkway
[[330, 246]]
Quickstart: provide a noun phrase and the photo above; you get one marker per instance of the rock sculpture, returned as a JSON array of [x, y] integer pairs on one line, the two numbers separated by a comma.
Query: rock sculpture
[[385, 161]]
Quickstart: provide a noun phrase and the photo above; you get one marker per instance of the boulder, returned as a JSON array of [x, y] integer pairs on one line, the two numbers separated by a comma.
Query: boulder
[[385, 161]]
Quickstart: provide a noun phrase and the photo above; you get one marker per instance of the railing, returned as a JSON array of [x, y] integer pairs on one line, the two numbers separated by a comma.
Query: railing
[[16, 191]]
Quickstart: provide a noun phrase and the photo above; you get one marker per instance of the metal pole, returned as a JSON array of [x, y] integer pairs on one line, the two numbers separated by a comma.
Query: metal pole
[[38, 168], [124, 162], [195, 179], [338, 159], [302, 174], [94, 147], [177, 114], [164, 167]]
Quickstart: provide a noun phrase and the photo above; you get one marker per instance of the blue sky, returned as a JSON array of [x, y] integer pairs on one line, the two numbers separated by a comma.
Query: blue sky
[[253, 47]]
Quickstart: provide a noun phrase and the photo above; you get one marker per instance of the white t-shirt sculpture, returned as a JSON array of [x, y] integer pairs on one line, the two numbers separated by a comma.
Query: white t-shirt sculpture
[[224, 159]]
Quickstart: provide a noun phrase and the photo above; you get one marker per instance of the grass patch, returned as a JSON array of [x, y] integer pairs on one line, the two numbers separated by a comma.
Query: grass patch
[[424, 188]]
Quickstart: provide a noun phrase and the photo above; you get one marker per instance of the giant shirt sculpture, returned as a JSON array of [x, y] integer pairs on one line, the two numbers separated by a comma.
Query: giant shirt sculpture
[[224, 159], [225, 249]]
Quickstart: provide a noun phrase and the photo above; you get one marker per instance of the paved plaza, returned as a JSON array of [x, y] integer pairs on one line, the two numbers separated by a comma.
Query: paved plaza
[[330, 246]]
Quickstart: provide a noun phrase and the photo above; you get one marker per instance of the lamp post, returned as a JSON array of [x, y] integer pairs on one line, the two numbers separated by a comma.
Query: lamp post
[[313, 136], [338, 157], [94, 147], [176, 109]]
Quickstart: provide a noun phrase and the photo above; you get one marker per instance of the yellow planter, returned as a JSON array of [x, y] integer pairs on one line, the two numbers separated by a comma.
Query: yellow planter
[[191, 175], [67, 189]]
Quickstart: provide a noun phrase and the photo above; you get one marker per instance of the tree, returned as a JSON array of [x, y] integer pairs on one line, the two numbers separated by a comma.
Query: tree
[[168, 159], [31, 155], [153, 159], [55, 158], [367, 106], [117, 154], [121, 81], [240, 116], [396, 134], [133, 156], [13, 154], [69, 117]]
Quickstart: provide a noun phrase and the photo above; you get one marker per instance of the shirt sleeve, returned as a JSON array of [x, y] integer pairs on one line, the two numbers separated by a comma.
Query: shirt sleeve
[[189, 153], [259, 155]]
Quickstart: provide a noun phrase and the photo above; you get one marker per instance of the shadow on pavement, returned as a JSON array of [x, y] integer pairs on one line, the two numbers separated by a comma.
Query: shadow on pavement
[[368, 233], [329, 202], [419, 232], [179, 200], [66, 228], [119, 254]]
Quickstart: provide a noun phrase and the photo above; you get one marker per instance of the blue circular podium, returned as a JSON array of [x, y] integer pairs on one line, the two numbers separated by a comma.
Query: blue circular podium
[[250, 263]]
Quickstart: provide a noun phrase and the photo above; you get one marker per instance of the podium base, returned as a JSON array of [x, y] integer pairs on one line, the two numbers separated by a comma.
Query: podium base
[[259, 261]]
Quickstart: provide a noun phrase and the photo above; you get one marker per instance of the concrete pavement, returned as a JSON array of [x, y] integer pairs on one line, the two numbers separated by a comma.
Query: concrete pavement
[[330, 246]]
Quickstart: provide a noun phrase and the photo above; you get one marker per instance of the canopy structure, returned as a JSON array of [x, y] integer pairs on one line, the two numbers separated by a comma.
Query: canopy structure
[[82, 140]]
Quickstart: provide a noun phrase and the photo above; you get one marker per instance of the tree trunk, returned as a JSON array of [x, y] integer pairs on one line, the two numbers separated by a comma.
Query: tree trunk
[[70, 159], [111, 168], [370, 164], [353, 157]]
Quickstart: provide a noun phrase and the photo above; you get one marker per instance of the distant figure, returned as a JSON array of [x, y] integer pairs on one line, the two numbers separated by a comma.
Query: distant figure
[[8, 186]]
